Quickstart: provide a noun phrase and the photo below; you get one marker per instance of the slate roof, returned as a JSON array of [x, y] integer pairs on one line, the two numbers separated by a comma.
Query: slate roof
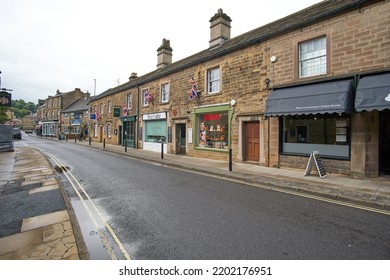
[[319, 12], [80, 105]]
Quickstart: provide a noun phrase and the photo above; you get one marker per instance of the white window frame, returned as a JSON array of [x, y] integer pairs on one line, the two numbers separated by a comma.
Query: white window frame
[[165, 93], [109, 106], [109, 128], [101, 109], [129, 99], [312, 57], [95, 129], [213, 80]]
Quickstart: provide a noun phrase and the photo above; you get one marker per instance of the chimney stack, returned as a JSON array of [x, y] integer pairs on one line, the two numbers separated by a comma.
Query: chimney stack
[[219, 28], [133, 76], [164, 54]]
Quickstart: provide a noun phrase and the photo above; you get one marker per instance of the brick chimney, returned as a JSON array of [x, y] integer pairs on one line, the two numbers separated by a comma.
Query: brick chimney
[[164, 54], [219, 28]]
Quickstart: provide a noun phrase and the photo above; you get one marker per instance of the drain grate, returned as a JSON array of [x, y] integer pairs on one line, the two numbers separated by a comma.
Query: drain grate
[[61, 169]]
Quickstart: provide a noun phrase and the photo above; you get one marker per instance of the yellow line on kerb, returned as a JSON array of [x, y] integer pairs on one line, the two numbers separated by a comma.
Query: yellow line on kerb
[[108, 227]]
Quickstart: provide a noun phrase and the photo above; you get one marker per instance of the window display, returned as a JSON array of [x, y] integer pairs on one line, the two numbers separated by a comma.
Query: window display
[[328, 134], [213, 130]]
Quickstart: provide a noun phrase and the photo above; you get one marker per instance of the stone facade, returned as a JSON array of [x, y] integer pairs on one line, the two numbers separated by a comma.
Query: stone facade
[[248, 68]]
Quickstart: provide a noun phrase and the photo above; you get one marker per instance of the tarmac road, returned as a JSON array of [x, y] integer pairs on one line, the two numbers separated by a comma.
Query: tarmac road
[[159, 212]]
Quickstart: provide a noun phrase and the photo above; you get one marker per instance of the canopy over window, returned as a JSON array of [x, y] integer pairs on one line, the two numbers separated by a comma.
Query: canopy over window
[[373, 93], [321, 98]]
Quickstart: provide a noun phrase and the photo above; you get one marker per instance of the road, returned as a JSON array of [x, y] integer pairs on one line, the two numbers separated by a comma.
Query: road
[[157, 212]]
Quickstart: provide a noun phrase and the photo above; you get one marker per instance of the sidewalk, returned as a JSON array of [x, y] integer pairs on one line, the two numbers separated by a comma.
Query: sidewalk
[[373, 192], [36, 219]]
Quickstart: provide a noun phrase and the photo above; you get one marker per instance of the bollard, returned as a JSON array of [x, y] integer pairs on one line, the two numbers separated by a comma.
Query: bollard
[[89, 140], [104, 143], [230, 159], [125, 146], [162, 150]]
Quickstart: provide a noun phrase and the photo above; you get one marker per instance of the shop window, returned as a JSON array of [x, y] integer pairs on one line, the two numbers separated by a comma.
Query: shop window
[[213, 80], [155, 131], [327, 134], [164, 93], [312, 57], [213, 130]]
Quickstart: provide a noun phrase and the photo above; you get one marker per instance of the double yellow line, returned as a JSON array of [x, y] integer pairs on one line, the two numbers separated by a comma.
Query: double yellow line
[[77, 186]]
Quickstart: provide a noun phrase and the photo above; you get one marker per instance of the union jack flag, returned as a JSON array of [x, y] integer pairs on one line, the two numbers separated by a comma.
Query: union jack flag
[[124, 109], [148, 96], [194, 91]]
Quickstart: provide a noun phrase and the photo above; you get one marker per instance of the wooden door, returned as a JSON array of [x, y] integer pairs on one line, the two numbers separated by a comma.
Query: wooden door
[[252, 141]]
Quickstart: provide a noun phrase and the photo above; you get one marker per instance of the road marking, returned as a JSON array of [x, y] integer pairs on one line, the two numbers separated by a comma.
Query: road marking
[[72, 179], [292, 192]]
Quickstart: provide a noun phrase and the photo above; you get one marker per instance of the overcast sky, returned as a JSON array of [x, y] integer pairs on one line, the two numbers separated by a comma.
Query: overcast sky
[[47, 45]]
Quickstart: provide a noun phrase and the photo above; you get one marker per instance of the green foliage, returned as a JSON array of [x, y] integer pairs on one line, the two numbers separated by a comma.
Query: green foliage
[[21, 108], [3, 114]]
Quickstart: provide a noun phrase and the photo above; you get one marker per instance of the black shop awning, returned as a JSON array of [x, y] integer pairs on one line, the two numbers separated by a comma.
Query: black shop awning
[[321, 98], [373, 93]]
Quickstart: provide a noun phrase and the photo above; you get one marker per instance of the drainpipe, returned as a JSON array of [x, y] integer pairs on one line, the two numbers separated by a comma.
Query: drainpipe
[[138, 116]]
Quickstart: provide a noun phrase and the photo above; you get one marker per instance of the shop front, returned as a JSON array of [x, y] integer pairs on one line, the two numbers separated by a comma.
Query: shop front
[[129, 133], [50, 128], [313, 117], [155, 132], [212, 128], [373, 101]]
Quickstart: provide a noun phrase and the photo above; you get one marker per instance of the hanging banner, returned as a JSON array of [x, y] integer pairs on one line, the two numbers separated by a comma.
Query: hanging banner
[[315, 158]]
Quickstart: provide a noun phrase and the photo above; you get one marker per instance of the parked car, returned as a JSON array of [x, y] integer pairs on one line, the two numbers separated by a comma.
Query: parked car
[[16, 133]]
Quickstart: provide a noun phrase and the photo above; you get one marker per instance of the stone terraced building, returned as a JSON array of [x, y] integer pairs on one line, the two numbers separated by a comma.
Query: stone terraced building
[[316, 80]]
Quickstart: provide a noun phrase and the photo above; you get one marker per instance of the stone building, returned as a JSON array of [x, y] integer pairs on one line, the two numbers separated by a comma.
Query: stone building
[[51, 120], [29, 122], [75, 118], [271, 96]]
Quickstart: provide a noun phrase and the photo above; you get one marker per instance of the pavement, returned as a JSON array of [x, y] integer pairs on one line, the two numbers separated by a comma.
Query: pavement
[[55, 233]]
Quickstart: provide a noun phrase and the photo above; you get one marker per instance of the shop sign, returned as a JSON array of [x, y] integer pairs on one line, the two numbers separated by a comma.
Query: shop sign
[[155, 116], [5, 98], [117, 112]]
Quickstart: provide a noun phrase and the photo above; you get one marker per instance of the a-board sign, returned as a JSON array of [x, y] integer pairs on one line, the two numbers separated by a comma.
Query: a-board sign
[[315, 158]]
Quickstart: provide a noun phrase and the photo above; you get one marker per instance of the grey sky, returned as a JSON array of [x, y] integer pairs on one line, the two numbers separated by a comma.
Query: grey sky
[[47, 45]]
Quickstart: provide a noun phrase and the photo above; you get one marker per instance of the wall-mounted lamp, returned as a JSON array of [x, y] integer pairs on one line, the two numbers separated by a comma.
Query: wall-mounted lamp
[[273, 59], [267, 81], [233, 102]]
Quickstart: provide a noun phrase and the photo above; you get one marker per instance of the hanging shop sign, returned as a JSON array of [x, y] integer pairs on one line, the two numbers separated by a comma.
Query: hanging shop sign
[[5, 98], [315, 158]]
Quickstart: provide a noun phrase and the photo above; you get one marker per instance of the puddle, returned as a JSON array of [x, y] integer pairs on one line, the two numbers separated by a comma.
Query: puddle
[[98, 240], [90, 232]]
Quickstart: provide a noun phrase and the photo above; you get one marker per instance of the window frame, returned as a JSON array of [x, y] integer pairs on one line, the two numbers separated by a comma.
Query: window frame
[[109, 106], [129, 101], [165, 93], [316, 58], [211, 82]]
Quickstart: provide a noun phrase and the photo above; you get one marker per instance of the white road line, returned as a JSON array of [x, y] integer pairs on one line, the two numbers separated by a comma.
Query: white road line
[[107, 226]]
